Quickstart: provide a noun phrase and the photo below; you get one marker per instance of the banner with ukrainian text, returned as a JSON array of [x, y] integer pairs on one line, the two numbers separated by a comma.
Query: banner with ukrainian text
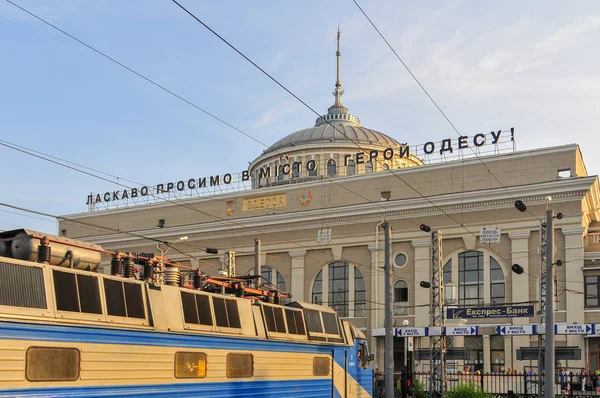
[[508, 311]]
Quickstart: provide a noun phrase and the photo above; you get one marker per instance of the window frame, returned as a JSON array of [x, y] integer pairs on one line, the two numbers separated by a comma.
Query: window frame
[[401, 310], [463, 300], [400, 253], [238, 354], [55, 348], [331, 167], [193, 353], [78, 315], [585, 284], [197, 326], [126, 319], [321, 374]]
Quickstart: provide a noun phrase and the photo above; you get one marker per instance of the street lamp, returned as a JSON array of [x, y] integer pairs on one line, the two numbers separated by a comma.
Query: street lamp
[[162, 253]]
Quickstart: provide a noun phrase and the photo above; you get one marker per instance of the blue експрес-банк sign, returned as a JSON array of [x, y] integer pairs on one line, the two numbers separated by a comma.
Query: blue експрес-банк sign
[[508, 311]]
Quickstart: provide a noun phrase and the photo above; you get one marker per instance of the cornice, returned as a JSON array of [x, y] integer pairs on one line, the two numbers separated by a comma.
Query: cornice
[[297, 253], [573, 231], [519, 235]]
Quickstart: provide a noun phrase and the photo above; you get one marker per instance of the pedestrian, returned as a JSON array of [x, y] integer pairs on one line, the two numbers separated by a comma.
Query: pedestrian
[[583, 378], [597, 373]]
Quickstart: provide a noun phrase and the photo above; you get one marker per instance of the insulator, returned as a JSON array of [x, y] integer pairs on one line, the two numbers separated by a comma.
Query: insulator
[[44, 251], [148, 271], [116, 265], [198, 280], [128, 271], [171, 275]]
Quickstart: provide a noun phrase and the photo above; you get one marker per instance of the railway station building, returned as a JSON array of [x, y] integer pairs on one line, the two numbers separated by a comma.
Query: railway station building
[[316, 199]]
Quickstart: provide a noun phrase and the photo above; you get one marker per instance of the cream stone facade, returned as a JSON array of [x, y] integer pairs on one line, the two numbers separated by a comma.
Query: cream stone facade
[[341, 202]]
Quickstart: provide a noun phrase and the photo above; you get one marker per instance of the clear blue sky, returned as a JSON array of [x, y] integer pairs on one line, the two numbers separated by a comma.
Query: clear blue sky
[[531, 65]]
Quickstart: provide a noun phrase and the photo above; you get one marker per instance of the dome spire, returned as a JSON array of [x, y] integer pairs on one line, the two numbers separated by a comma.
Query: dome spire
[[338, 85]]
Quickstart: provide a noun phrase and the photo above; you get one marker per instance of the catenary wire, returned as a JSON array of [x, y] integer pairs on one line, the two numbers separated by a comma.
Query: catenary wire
[[431, 98]]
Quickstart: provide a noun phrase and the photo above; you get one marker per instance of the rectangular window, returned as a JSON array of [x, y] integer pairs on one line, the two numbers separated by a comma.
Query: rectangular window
[[204, 312], [291, 323], [22, 286], [226, 313], [190, 365], [279, 322], [269, 318], [240, 365], [124, 299], [591, 291], [76, 293], [190, 313], [52, 364], [330, 323], [299, 322], [196, 309], [313, 321], [321, 366]]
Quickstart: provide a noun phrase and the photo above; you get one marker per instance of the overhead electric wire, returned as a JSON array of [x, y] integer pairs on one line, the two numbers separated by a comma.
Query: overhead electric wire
[[432, 100], [167, 90]]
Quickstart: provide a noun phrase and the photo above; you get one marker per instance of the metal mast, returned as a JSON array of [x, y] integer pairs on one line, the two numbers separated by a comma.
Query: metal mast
[[542, 309], [338, 84], [437, 347]]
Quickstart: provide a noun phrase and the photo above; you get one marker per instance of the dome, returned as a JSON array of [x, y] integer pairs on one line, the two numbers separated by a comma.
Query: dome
[[344, 132]]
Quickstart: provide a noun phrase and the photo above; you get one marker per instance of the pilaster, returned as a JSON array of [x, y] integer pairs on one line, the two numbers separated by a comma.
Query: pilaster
[[297, 287], [422, 273], [519, 241]]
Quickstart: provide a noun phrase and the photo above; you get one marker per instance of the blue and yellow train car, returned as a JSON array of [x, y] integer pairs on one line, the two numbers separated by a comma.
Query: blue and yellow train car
[[66, 332]]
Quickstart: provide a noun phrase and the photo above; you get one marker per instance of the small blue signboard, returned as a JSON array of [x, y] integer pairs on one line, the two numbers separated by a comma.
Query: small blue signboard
[[507, 311]]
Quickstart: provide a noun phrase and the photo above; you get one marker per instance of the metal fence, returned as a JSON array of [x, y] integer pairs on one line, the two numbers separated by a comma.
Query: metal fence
[[499, 385]]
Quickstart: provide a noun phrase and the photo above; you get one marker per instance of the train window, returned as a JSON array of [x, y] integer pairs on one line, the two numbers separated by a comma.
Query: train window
[[190, 365], [233, 314], [89, 294], [279, 322], [22, 286], [65, 289], [204, 312], [313, 321], [220, 312], [240, 365], [226, 313], [124, 299], [269, 318], [291, 323], [134, 300], [299, 322], [363, 356], [115, 298], [321, 366], [190, 313], [52, 364], [330, 322]]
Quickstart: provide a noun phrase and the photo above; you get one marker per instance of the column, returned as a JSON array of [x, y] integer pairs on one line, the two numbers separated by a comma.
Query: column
[[573, 260], [519, 241], [297, 287], [422, 273], [376, 312], [487, 354]]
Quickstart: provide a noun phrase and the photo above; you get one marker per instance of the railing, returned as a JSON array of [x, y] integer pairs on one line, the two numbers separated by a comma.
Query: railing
[[500, 385]]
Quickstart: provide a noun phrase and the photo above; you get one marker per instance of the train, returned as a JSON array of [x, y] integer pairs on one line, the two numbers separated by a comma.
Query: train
[[155, 328]]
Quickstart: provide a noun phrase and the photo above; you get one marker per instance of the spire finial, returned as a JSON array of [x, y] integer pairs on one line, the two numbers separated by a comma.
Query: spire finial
[[338, 84]]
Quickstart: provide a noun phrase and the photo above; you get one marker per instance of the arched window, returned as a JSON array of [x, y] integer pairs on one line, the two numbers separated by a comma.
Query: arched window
[[317, 290], [360, 294], [351, 168], [331, 167], [338, 287], [334, 282], [271, 275], [368, 166], [448, 272], [401, 298], [497, 295], [470, 278]]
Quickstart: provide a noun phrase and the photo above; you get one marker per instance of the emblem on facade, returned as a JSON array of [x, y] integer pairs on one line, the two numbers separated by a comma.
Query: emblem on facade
[[229, 211], [305, 197]]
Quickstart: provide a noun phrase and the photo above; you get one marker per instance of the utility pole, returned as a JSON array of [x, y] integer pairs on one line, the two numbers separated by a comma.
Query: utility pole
[[389, 315], [549, 346], [257, 264], [437, 349], [542, 309]]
